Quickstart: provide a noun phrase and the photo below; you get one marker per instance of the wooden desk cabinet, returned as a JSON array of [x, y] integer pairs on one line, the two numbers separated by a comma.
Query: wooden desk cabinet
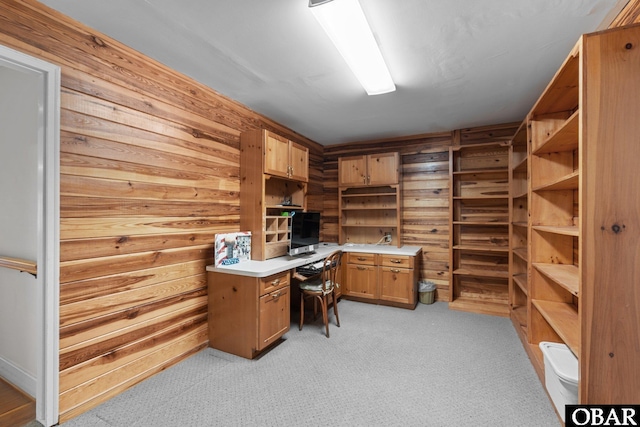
[[382, 278], [247, 314]]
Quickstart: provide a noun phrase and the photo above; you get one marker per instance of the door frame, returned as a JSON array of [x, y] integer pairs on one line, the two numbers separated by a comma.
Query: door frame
[[48, 257]]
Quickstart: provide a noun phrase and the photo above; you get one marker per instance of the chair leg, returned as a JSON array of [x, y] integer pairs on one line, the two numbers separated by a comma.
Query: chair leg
[[335, 308], [325, 315], [301, 309]]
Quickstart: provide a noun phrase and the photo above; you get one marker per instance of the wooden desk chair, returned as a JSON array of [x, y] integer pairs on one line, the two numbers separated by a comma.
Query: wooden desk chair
[[320, 288]]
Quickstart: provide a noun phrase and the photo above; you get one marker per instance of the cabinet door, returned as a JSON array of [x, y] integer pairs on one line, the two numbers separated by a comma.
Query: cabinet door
[[352, 171], [396, 284], [299, 162], [383, 169], [276, 155], [361, 281], [273, 320]]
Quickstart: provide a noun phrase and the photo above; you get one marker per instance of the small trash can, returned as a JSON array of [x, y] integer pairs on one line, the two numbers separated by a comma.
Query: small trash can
[[426, 291]]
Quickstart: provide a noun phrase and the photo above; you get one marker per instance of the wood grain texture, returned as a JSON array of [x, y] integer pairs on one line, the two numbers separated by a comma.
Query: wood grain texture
[[150, 163], [150, 172], [424, 160]]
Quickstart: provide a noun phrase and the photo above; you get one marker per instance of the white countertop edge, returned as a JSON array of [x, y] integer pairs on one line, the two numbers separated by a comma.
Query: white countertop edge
[[277, 265]]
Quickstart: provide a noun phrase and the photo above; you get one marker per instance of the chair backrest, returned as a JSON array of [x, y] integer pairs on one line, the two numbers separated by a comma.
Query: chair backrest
[[331, 270]]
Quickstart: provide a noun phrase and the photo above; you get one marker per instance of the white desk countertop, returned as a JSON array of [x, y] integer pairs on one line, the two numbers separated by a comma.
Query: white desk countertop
[[277, 265]]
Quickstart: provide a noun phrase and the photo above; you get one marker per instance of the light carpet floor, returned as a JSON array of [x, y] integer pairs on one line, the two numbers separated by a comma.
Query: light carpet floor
[[384, 366]]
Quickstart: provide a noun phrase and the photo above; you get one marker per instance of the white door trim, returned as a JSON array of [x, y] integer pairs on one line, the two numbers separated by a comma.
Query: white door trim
[[48, 259]]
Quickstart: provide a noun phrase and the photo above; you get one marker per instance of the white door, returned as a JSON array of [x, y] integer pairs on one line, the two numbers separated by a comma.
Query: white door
[[29, 227]]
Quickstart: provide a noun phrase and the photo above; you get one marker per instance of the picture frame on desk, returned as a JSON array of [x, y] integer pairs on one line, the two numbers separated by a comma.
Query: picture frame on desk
[[232, 248]]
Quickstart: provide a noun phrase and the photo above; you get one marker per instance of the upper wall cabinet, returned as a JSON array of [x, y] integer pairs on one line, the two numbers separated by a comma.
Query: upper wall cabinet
[[285, 158], [269, 192], [372, 169]]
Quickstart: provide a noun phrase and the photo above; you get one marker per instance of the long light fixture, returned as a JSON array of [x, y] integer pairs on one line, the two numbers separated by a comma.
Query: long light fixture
[[345, 24]]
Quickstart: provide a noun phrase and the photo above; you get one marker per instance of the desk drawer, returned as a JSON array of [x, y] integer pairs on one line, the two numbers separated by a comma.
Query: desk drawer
[[399, 261], [272, 283], [362, 258]]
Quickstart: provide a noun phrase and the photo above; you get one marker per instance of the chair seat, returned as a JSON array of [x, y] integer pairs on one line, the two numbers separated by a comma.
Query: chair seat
[[315, 286]]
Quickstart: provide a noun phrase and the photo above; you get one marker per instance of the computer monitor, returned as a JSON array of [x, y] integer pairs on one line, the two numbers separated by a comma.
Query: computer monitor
[[305, 232]]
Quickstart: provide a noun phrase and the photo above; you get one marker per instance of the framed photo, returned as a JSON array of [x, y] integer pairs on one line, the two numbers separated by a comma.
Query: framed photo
[[232, 248]]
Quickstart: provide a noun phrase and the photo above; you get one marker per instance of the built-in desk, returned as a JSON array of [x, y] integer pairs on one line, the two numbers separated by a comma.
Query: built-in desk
[[249, 302]]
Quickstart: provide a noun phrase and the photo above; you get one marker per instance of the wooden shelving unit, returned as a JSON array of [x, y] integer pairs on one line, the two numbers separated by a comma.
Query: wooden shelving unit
[[270, 190], [369, 199], [479, 203], [518, 230], [573, 268]]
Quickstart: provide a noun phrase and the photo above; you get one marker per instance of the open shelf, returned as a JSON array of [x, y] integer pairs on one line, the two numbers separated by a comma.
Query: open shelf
[[565, 230], [522, 253], [500, 171], [481, 248], [567, 182], [521, 280], [564, 139], [482, 273], [479, 306], [567, 276], [563, 318]]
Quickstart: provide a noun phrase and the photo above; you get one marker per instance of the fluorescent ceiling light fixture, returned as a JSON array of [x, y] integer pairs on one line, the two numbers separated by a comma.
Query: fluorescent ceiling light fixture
[[345, 24]]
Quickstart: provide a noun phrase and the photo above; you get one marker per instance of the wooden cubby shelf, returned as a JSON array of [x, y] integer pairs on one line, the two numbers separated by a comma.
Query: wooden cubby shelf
[[481, 248], [566, 276], [482, 273], [567, 182], [521, 281], [566, 230], [564, 139], [563, 318], [521, 253]]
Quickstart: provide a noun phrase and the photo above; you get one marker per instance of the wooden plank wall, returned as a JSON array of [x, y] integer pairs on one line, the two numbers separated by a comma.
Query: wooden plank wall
[[425, 191], [149, 162], [149, 173]]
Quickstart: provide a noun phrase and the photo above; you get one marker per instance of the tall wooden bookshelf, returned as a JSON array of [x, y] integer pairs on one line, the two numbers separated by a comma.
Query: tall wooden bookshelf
[[479, 203], [584, 227], [518, 230]]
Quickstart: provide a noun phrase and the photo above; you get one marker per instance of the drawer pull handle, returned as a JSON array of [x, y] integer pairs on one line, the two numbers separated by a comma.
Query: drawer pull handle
[[275, 282], [361, 268], [395, 270], [276, 295], [361, 258], [396, 261]]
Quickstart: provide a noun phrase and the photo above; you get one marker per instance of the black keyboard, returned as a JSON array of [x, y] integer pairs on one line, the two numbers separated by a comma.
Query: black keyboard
[[309, 270]]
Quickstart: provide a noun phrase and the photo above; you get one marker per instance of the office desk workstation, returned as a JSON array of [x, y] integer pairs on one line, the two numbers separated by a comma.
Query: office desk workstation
[[250, 302]]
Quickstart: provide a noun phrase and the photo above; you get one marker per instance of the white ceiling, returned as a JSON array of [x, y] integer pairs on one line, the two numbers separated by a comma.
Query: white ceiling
[[456, 63]]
